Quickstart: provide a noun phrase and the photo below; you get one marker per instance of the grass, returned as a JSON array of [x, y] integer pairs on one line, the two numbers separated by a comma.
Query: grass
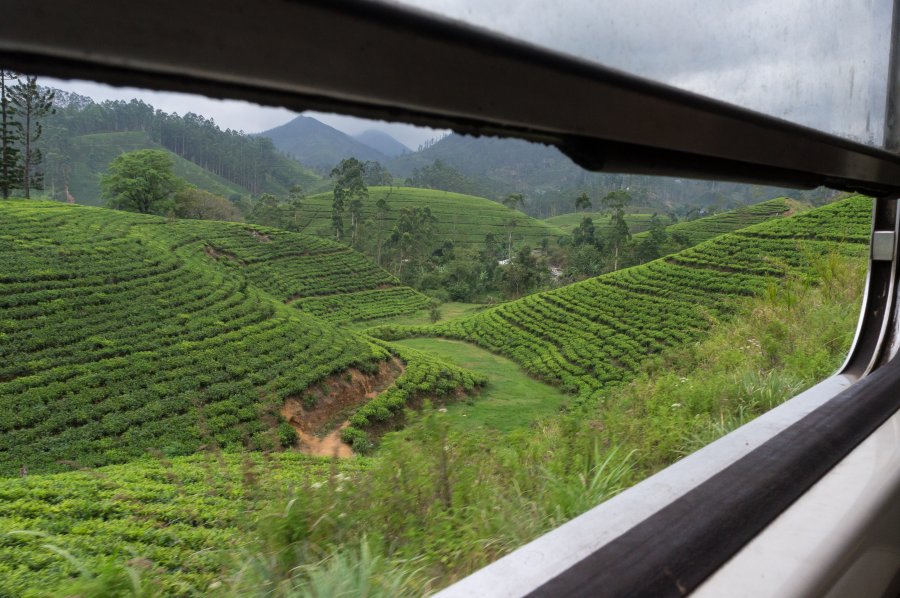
[[511, 400]]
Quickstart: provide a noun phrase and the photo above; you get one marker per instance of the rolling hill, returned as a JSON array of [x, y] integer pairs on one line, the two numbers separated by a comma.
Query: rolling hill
[[464, 219], [588, 335], [637, 222], [315, 144], [91, 154], [703, 229], [123, 332]]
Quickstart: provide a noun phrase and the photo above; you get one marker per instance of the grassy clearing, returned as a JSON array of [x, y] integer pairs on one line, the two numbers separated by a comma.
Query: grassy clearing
[[510, 400]]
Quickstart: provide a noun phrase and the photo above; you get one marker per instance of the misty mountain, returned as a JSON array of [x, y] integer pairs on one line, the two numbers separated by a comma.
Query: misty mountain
[[550, 181], [508, 162], [382, 142], [315, 144]]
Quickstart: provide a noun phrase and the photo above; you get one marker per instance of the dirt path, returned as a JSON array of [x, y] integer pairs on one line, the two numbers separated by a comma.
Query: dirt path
[[329, 446], [331, 401]]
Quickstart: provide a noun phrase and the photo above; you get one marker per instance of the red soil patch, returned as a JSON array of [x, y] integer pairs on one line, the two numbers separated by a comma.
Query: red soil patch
[[333, 400]]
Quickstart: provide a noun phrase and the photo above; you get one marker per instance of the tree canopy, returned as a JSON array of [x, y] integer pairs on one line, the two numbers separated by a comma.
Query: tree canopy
[[141, 181]]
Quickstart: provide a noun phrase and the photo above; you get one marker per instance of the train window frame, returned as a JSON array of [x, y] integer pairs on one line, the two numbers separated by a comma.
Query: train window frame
[[673, 532]]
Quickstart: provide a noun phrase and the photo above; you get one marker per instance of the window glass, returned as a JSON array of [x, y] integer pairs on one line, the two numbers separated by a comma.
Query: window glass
[[818, 63]]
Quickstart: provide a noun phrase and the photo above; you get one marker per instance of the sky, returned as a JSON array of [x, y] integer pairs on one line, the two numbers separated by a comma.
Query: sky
[[820, 63]]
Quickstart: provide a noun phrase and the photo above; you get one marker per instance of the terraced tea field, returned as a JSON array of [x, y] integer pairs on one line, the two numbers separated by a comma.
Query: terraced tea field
[[121, 332], [703, 229], [179, 515], [464, 219], [589, 334], [637, 222]]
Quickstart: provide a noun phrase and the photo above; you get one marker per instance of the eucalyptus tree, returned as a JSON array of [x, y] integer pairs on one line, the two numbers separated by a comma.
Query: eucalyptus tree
[[349, 192], [616, 202], [582, 202]]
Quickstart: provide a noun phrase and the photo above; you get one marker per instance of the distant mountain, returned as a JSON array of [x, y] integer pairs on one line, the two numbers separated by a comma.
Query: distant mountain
[[507, 162], [315, 144], [550, 181], [382, 142]]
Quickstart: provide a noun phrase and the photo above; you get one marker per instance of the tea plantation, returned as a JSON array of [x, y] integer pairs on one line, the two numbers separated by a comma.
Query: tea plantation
[[464, 219], [703, 229], [589, 334], [121, 332]]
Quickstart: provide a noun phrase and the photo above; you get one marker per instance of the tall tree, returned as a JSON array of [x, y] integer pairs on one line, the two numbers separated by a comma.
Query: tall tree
[[651, 246], [411, 237], [582, 202], [349, 191], [32, 103], [10, 174], [514, 199], [381, 211], [141, 181], [616, 202], [585, 233]]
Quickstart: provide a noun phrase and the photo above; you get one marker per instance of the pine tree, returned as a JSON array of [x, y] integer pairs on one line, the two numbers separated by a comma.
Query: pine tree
[[10, 173], [31, 104]]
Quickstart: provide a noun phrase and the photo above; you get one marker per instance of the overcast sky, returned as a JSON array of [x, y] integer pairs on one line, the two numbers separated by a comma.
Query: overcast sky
[[820, 63]]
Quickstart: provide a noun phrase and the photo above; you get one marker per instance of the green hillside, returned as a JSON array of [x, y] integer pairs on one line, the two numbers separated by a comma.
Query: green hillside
[[464, 219], [703, 229], [91, 155], [122, 332], [637, 222], [589, 334]]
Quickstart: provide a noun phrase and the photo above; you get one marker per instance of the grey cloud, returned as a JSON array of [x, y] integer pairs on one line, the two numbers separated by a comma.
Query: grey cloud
[[796, 59]]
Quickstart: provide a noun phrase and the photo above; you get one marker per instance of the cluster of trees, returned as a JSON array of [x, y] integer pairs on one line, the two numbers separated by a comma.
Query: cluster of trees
[[591, 253], [142, 181], [23, 106]]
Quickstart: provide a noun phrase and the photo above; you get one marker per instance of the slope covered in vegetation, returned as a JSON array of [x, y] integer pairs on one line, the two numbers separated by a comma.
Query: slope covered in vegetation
[[80, 132], [463, 219], [637, 222], [703, 229], [589, 334], [121, 332], [435, 503], [92, 154]]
